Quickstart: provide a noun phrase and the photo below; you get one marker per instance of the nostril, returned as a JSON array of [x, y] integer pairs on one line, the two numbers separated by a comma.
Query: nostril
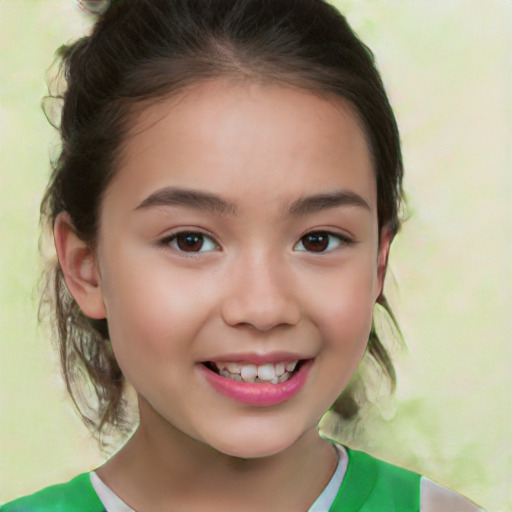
[[262, 314]]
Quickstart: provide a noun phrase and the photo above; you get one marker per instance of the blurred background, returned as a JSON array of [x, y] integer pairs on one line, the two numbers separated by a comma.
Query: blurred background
[[447, 65]]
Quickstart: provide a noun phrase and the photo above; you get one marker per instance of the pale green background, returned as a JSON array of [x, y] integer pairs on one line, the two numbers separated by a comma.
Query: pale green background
[[447, 66]]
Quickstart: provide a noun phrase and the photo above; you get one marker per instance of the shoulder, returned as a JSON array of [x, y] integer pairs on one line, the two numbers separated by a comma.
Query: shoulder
[[436, 498], [77, 495], [373, 485], [361, 463]]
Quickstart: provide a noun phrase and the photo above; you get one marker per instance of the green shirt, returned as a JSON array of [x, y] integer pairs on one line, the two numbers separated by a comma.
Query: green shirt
[[369, 485]]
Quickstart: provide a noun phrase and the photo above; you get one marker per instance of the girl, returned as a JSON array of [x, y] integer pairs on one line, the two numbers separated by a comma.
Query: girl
[[223, 206]]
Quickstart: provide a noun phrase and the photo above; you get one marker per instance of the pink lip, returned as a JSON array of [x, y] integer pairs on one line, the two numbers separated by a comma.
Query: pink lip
[[257, 393]]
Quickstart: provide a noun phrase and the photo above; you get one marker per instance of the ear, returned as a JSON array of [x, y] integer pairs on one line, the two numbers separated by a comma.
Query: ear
[[386, 237], [79, 267]]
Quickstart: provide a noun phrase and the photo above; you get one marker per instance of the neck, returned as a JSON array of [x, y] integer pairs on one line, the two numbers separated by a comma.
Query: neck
[[161, 467]]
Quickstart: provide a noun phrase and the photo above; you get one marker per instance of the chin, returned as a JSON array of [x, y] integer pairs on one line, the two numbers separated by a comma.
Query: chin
[[255, 443], [251, 450]]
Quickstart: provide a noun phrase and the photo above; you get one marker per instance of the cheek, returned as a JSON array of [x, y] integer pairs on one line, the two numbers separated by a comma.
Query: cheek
[[346, 333], [346, 325], [343, 303], [151, 313]]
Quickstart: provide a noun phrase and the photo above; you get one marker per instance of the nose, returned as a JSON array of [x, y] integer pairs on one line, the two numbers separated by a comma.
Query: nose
[[260, 295]]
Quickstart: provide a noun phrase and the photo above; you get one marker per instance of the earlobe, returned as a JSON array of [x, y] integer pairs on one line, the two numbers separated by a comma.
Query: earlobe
[[78, 264], [386, 237]]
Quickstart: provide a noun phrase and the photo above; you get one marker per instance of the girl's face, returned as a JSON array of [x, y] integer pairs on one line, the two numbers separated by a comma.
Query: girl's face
[[240, 236]]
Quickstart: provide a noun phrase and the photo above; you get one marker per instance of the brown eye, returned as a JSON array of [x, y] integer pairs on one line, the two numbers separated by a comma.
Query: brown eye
[[315, 242], [190, 242], [320, 241]]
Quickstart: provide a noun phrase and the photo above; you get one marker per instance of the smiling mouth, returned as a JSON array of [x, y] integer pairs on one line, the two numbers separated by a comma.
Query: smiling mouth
[[273, 373]]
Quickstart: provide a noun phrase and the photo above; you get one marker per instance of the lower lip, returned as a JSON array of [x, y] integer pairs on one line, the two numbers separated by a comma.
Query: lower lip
[[258, 393]]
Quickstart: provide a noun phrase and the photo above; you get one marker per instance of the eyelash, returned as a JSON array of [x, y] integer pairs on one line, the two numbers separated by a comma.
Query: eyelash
[[173, 241], [339, 240], [322, 237]]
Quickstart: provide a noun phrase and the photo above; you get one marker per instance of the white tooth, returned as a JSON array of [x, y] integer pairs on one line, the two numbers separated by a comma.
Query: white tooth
[[249, 372], [224, 373], [235, 376], [279, 369], [221, 365], [284, 377], [266, 372], [291, 366], [233, 367], [274, 380]]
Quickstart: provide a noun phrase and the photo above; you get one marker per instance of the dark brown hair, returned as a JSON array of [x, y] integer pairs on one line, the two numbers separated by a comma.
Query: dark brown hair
[[145, 50]]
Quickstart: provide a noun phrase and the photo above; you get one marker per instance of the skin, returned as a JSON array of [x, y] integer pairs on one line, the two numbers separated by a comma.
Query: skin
[[252, 289]]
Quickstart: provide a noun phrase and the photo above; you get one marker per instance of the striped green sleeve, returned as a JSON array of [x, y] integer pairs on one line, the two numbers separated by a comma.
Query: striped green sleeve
[[77, 495], [371, 485]]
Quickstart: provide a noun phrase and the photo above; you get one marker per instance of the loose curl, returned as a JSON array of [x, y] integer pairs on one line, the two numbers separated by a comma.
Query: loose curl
[[142, 51]]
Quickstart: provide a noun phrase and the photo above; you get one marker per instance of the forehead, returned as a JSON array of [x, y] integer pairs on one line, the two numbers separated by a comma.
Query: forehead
[[246, 140]]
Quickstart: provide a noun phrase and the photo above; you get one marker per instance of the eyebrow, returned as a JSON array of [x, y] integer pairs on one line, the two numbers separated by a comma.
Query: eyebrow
[[319, 202], [197, 199], [206, 201]]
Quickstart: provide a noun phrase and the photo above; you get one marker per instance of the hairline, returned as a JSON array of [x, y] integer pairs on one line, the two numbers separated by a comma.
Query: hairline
[[136, 107]]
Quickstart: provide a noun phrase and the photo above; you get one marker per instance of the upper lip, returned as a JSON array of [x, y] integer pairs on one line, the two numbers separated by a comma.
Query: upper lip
[[258, 359]]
